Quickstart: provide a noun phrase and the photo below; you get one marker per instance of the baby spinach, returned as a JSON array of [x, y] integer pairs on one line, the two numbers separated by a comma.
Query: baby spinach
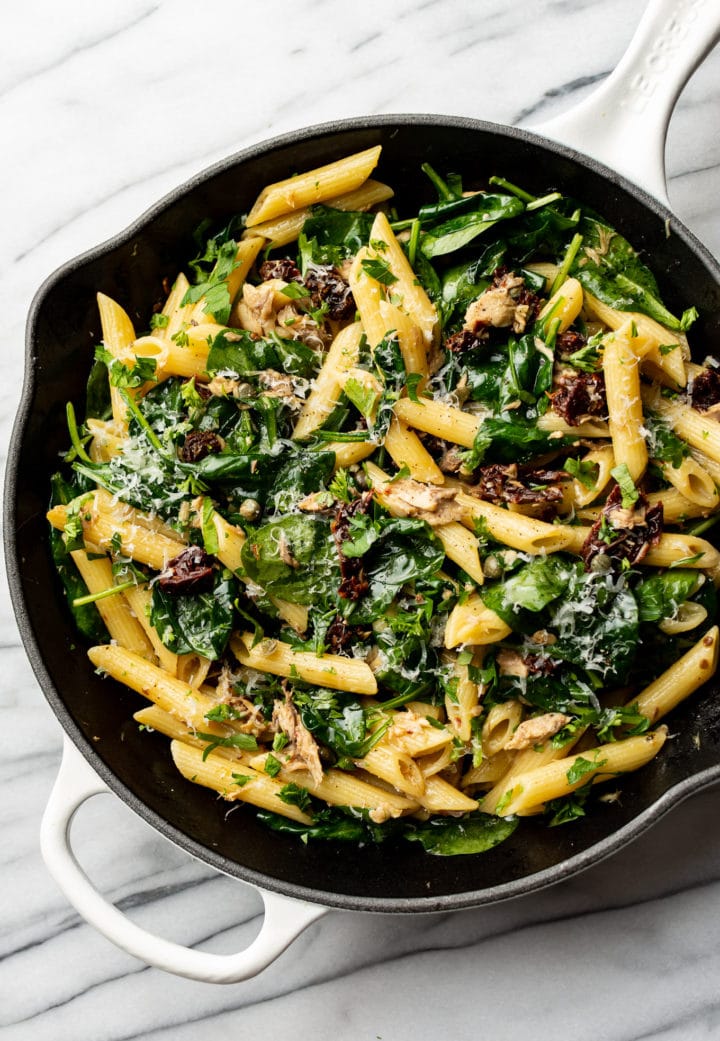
[[236, 351], [408, 664], [340, 721], [313, 571], [405, 551], [531, 588], [609, 267], [512, 437], [329, 236], [87, 618], [474, 832], [197, 622], [459, 231], [660, 595]]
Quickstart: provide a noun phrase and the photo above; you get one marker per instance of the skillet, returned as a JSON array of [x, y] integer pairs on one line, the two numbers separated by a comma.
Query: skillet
[[103, 747]]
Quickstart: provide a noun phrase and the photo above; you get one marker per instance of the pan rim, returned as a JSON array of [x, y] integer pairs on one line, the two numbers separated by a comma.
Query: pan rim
[[472, 898]]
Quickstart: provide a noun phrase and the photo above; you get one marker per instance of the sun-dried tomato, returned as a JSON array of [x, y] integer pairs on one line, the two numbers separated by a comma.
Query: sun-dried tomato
[[189, 572], [466, 340], [328, 287], [284, 269], [622, 533], [339, 635], [200, 443], [354, 582], [705, 391], [580, 395], [513, 483]]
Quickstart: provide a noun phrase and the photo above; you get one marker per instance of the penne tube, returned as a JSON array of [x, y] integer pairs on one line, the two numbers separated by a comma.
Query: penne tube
[[118, 336], [349, 453], [693, 482], [672, 549], [436, 762], [622, 385], [326, 670], [461, 546], [415, 301], [699, 429], [488, 771], [305, 189], [327, 386], [367, 293], [411, 732], [530, 791], [676, 508], [140, 599], [441, 797], [342, 788], [681, 679], [473, 623], [107, 440], [395, 768], [410, 340], [552, 423], [463, 701], [242, 784], [406, 449], [669, 363], [435, 417], [100, 524], [515, 529], [285, 229], [501, 723], [115, 611], [564, 305], [604, 459], [178, 314]]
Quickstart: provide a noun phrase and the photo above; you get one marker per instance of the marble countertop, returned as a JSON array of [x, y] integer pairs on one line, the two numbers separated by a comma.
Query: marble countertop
[[103, 109]]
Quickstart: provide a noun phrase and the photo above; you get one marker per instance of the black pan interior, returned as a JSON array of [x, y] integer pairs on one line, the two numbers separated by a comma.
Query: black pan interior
[[62, 332]]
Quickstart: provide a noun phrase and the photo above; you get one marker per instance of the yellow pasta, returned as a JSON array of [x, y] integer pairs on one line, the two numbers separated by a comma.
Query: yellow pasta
[[285, 229], [681, 679], [435, 417], [327, 387], [622, 384], [306, 189], [327, 670], [115, 610], [471, 622]]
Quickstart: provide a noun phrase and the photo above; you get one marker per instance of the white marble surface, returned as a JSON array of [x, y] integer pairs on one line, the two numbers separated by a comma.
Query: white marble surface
[[103, 108]]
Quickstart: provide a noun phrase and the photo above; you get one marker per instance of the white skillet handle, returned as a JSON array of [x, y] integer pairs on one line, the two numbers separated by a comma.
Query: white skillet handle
[[624, 122], [284, 918]]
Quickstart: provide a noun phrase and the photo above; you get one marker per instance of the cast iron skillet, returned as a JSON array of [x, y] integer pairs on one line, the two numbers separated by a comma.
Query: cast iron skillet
[[96, 714]]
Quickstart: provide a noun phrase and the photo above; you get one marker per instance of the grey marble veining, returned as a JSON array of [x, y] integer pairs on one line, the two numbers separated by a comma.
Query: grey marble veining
[[103, 108]]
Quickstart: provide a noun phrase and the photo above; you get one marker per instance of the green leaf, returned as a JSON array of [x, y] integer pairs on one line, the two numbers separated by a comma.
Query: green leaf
[[473, 833], [581, 767], [630, 494], [246, 742], [199, 622], [295, 795], [585, 473], [660, 595], [378, 269], [459, 231], [272, 765]]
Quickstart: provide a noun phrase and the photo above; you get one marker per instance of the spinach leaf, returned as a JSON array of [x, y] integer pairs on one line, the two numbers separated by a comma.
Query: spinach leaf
[[334, 824], [474, 832], [340, 721], [457, 232], [313, 574], [463, 283], [609, 267], [97, 394], [300, 475], [406, 550], [596, 625], [198, 623], [214, 287], [87, 617], [663, 444], [531, 588], [329, 236], [512, 437], [409, 665], [236, 351], [660, 595]]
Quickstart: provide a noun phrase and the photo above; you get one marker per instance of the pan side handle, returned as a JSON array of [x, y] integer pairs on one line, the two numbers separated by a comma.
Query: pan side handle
[[284, 919], [624, 122]]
